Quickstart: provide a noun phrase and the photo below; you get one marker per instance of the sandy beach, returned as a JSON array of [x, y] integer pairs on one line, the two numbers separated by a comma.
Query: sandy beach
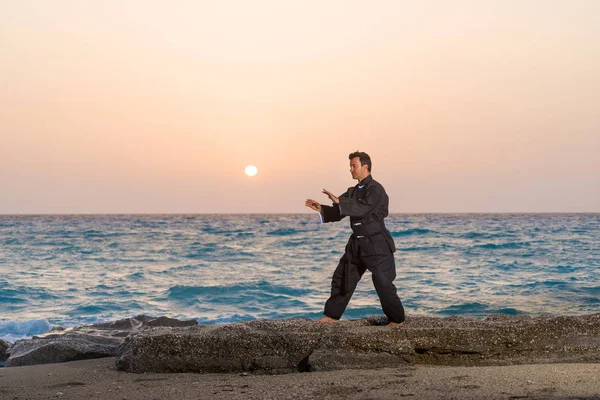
[[99, 379]]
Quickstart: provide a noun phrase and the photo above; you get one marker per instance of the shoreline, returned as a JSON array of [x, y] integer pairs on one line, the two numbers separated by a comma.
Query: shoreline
[[100, 379]]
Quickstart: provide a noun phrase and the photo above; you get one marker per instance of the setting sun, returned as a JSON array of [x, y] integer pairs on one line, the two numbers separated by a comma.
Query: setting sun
[[251, 170]]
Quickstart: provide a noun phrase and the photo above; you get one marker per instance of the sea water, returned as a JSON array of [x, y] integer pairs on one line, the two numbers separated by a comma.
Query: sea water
[[72, 270]]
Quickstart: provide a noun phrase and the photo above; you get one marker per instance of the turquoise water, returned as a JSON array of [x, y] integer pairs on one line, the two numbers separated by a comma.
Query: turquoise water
[[70, 270]]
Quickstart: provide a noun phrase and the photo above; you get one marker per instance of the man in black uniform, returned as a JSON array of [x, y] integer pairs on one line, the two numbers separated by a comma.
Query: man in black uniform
[[370, 247]]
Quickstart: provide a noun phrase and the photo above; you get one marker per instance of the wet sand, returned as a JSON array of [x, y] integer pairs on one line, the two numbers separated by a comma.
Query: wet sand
[[99, 379]]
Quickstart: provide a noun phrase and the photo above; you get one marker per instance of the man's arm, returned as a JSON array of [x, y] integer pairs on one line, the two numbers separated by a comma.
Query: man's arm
[[353, 207], [326, 213], [331, 213]]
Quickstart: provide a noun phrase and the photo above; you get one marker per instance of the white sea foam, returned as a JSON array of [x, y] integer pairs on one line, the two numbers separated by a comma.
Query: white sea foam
[[13, 330]]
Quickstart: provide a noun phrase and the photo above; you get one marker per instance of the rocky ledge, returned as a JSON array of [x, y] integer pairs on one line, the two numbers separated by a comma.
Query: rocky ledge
[[299, 345], [145, 344], [83, 342]]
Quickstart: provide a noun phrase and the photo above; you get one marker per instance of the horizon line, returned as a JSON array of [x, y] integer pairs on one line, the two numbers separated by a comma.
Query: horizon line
[[309, 213]]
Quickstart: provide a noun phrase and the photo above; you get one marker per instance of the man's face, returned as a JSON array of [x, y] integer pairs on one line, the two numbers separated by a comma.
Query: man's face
[[357, 170]]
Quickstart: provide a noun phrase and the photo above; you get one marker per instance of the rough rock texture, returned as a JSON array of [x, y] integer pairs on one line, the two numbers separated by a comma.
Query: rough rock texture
[[4, 345], [83, 342], [298, 345], [254, 346], [504, 340], [60, 348]]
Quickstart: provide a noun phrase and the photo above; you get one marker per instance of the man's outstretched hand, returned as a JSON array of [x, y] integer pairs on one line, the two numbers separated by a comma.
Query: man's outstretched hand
[[333, 198], [310, 203]]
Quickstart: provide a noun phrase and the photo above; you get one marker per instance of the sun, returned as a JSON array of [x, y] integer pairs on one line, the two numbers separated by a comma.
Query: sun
[[251, 170]]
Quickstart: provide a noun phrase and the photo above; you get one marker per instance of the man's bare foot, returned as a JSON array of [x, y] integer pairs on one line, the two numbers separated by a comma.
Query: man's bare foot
[[396, 325], [326, 320]]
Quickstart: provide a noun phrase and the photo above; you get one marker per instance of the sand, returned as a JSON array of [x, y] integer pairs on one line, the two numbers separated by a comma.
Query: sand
[[99, 379]]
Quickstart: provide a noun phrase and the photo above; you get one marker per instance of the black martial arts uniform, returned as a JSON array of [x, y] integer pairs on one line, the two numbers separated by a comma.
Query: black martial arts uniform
[[370, 247]]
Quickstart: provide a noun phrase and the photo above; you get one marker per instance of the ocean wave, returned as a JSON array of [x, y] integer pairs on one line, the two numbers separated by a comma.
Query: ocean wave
[[136, 276], [361, 312], [220, 231], [10, 298], [419, 248], [51, 243], [13, 330], [564, 269], [201, 252], [593, 290], [294, 243], [183, 292], [179, 268], [91, 309], [225, 319], [517, 266], [554, 284], [508, 245], [94, 233], [283, 232], [410, 232], [23, 294], [483, 235]]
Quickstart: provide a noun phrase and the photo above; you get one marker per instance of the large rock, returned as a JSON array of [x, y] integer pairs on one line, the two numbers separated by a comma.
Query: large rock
[[298, 345], [82, 342], [60, 348], [275, 346], [505, 340], [4, 345]]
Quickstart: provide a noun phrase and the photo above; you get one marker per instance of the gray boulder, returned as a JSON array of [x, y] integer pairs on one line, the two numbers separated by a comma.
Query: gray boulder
[[505, 340], [168, 322], [82, 342], [4, 345], [60, 348], [263, 346]]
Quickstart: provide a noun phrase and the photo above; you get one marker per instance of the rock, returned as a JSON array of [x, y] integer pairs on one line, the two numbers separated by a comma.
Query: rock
[[54, 331], [4, 345], [362, 347], [82, 342], [225, 348], [265, 346], [60, 348], [299, 345], [169, 322], [506, 340], [126, 324]]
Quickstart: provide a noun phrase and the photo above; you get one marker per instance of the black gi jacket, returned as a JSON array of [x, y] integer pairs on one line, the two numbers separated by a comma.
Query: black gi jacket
[[367, 205]]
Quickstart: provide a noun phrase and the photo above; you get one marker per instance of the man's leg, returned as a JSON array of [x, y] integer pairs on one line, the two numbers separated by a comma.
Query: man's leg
[[340, 296], [383, 271]]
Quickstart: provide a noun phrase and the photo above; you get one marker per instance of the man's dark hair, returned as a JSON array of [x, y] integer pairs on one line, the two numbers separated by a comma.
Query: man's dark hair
[[364, 158]]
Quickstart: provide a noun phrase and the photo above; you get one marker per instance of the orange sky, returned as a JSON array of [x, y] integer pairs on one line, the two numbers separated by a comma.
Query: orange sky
[[156, 107]]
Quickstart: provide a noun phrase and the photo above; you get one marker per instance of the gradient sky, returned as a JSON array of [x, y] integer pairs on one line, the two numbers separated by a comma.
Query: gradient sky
[[121, 106]]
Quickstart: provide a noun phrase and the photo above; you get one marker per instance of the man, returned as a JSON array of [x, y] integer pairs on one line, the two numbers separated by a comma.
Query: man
[[370, 247]]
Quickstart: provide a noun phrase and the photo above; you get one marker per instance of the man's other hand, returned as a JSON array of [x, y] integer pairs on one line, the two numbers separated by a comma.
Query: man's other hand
[[310, 203], [333, 198]]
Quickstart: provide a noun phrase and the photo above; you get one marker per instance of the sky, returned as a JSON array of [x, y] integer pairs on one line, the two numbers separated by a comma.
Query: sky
[[123, 106]]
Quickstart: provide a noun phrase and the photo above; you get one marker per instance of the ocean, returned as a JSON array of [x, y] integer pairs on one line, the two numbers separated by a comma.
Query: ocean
[[76, 269]]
